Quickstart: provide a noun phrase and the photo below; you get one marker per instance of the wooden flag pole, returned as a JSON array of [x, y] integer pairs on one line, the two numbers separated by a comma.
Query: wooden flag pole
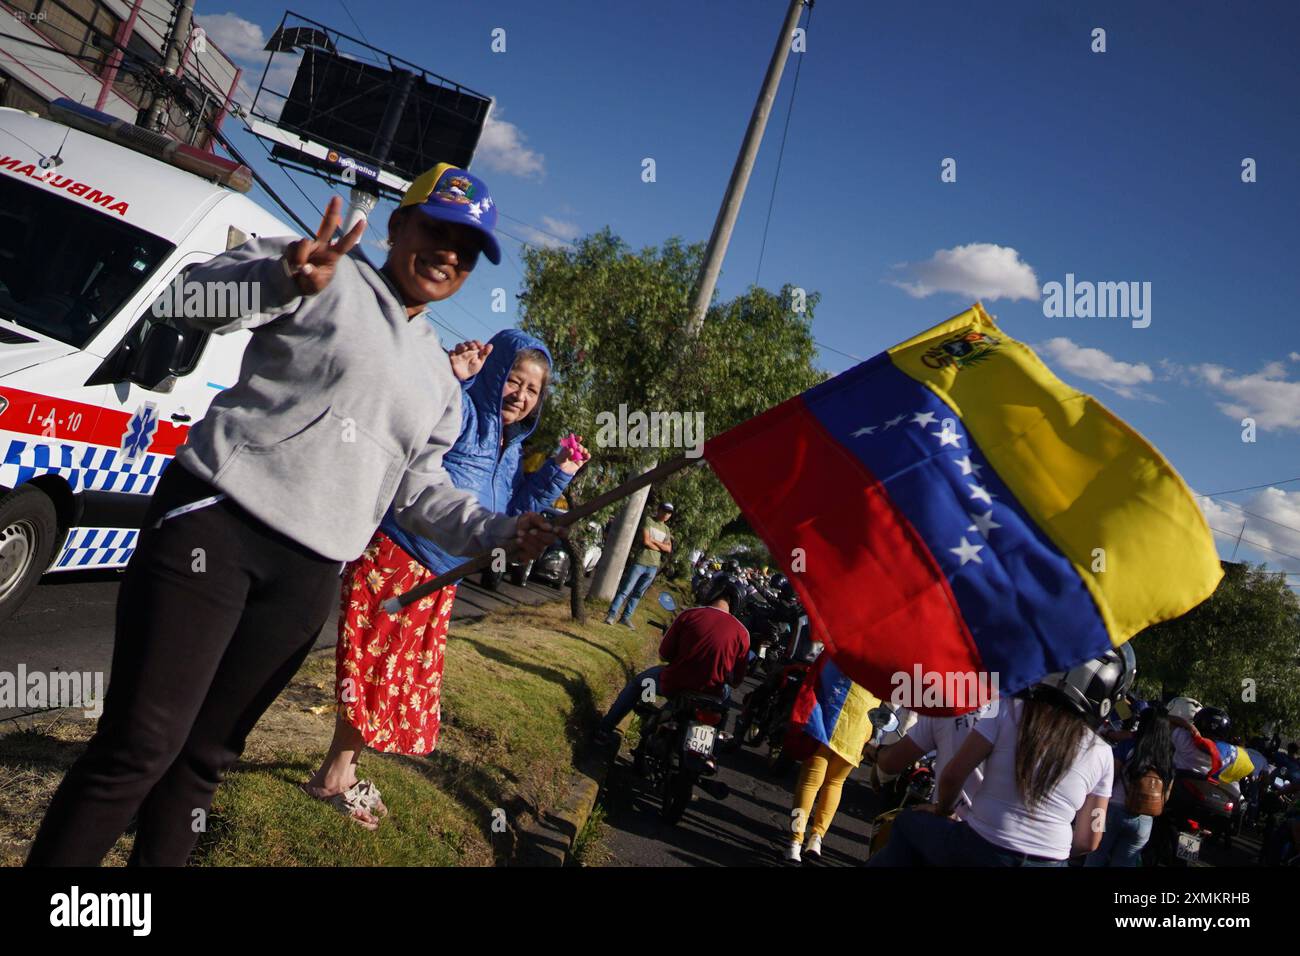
[[393, 605]]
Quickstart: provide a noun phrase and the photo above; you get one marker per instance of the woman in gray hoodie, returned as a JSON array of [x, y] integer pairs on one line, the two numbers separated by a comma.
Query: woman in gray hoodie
[[344, 406]]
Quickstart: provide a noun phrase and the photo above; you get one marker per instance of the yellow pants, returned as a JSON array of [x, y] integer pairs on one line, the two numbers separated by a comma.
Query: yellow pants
[[821, 779]]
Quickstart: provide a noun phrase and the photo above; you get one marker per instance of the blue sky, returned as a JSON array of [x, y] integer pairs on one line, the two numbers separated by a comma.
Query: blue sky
[[1117, 166]]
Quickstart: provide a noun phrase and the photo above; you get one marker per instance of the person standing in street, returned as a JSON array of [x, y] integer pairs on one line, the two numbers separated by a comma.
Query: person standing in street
[[344, 406], [656, 541], [840, 733], [1144, 777]]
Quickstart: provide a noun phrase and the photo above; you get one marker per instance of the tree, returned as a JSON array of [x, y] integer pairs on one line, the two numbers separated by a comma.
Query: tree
[[615, 321], [1239, 650]]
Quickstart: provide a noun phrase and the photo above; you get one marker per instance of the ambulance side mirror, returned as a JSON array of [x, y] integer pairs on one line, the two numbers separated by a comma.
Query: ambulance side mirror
[[157, 356]]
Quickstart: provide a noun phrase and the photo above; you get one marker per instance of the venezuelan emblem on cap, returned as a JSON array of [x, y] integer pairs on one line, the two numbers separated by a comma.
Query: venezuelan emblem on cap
[[456, 195]]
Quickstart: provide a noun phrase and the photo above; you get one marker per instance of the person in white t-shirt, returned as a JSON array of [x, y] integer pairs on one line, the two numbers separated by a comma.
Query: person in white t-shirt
[[943, 736], [1047, 778]]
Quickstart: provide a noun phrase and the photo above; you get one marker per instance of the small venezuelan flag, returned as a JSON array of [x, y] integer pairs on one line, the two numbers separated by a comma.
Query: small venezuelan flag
[[950, 507]]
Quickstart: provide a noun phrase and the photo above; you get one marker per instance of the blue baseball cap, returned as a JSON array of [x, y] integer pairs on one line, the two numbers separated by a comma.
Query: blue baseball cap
[[455, 195]]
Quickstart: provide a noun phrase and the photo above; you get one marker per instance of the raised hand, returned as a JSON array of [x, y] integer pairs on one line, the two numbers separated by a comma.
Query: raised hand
[[572, 455], [467, 358], [311, 261]]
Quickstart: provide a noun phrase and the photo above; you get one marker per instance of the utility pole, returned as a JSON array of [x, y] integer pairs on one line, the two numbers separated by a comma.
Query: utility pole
[[177, 37], [610, 571]]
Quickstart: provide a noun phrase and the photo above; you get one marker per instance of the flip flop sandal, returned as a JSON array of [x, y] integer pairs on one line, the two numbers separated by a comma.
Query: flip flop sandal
[[368, 794], [349, 803]]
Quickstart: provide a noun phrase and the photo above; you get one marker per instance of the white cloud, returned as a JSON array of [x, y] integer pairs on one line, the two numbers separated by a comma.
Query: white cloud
[[245, 42], [502, 149], [238, 38], [979, 270], [1294, 356], [1097, 366], [1272, 524], [1266, 396]]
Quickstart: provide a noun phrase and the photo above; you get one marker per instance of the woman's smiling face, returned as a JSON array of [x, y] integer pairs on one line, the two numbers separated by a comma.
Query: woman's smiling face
[[523, 390], [429, 259]]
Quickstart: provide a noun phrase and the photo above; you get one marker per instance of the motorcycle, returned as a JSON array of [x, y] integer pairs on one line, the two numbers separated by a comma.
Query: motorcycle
[[766, 714], [1198, 809], [676, 752], [913, 787], [765, 717]]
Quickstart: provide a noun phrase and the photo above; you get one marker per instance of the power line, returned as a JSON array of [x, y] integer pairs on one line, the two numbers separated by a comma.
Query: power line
[[1271, 484], [461, 336], [1255, 544], [1233, 504], [776, 179], [354, 21], [544, 232], [823, 345], [471, 315]]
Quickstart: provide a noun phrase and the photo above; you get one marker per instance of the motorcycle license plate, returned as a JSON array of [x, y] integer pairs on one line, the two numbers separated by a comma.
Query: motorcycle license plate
[[762, 650], [699, 739], [1189, 847]]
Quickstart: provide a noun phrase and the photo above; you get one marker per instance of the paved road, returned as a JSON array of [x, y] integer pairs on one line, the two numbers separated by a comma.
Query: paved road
[[749, 828], [752, 825], [67, 624]]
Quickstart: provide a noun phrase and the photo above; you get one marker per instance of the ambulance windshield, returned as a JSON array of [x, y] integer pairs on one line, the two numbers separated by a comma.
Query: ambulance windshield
[[66, 268]]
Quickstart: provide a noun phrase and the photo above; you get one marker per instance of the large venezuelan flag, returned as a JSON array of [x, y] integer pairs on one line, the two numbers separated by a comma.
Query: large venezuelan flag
[[951, 504]]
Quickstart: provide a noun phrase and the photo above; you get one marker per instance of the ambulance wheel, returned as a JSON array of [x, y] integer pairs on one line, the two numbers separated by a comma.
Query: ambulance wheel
[[29, 533]]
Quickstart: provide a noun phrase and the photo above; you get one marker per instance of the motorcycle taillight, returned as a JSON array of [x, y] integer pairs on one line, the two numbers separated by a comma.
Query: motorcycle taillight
[[712, 718]]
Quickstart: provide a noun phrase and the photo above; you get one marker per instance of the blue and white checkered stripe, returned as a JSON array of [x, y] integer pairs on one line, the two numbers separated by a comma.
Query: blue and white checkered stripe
[[83, 467], [96, 548]]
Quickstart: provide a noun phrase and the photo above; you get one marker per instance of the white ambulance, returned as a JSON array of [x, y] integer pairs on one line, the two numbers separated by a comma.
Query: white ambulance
[[97, 216]]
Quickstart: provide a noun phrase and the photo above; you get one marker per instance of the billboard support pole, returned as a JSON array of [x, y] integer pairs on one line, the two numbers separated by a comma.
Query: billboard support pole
[[364, 197]]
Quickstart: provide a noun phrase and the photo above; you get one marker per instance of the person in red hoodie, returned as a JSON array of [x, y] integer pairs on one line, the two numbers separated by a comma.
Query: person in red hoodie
[[707, 651]]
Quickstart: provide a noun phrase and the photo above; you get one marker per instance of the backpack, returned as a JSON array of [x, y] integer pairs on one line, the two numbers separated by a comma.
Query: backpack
[[1146, 795]]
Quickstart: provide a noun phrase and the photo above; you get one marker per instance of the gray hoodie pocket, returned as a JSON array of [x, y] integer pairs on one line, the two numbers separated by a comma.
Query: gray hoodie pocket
[[344, 464]]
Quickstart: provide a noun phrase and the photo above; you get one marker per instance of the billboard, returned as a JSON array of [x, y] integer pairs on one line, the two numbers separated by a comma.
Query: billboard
[[358, 114]]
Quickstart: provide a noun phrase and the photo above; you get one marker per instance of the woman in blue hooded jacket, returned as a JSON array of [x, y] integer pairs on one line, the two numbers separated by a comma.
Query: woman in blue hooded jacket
[[389, 667]]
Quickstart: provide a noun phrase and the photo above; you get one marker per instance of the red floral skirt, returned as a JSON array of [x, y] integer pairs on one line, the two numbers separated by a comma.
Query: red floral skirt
[[388, 667]]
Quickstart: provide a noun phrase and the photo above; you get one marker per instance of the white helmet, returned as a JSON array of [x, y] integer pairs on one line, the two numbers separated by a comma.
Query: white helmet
[[1184, 707]]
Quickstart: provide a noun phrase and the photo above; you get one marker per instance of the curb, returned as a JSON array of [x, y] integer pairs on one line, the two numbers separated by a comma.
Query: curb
[[549, 840]]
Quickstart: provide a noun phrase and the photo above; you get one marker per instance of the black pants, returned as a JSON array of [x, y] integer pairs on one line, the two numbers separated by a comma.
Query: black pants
[[215, 614]]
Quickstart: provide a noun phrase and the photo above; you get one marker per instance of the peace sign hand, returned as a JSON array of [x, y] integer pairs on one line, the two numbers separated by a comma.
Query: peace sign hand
[[311, 261]]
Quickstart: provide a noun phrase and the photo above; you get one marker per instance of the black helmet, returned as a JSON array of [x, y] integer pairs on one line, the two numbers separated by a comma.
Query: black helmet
[[724, 587], [778, 581], [1092, 688], [1213, 722], [731, 566]]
